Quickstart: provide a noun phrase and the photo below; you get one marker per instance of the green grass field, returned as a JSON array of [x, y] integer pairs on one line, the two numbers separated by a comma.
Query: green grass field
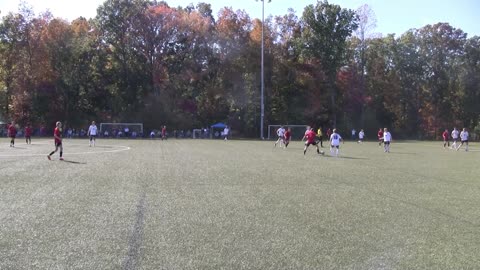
[[210, 204]]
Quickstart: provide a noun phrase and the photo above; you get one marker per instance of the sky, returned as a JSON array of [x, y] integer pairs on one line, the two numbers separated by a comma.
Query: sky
[[392, 16]]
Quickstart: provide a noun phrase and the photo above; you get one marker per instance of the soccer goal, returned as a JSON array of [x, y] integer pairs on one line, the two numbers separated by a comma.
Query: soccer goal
[[113, 129], [297, 131]]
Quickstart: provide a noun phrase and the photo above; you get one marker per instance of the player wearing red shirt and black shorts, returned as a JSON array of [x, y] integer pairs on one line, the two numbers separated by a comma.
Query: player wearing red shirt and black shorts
[[380, 137], [164, 133], [287, 136], [310, 136], [57, 134], [12, 133], [445, 136], [28, 134]]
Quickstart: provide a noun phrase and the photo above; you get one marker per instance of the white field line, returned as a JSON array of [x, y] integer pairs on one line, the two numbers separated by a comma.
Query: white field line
[[120, 148]]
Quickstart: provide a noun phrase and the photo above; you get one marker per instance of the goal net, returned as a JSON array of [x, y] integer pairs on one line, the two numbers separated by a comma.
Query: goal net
[[113, 129], [297, 131]]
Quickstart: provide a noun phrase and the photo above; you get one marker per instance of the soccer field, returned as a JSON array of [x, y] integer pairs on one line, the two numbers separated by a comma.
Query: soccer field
[[210, 204]]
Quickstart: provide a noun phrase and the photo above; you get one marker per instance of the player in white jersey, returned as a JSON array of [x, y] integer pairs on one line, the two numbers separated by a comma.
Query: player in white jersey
[[361, 136], [387, 139], [455, 134], [281, 136], [92, 133], [335, 140], [464, 139]]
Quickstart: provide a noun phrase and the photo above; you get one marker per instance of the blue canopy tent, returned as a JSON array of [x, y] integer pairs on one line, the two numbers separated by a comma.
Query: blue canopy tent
[[217, 126]]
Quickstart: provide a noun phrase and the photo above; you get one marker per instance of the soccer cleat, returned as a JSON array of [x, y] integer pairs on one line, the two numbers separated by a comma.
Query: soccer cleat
[[318, 151], [61, 158], [304, 151], [49, 157]]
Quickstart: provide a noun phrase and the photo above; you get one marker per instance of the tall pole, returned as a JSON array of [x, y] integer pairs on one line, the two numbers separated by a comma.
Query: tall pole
[[262, 103]]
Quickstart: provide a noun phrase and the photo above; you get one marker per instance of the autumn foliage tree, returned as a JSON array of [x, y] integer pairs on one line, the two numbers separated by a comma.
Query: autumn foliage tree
[[146, 61]]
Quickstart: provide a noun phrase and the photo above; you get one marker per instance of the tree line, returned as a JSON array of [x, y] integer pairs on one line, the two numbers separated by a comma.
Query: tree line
[[146, 61]]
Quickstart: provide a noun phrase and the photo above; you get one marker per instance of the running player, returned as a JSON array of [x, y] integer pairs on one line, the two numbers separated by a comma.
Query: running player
[[57, 134], [288, 136], [387, 139], [12, 133], [28, 134], [310, 139], [464, 139], [335, 140], [380, 137], [281, 136], [320, 136], [445, 135], [361, 135], [92, 133], [455, 134]]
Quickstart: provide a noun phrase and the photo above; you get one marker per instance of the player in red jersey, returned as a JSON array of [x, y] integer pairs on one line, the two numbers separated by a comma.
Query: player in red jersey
[[28, 134], [310, 139], [329, 132], [445, 136], [12, 133], [57, 134], [164, 133], [287, 136], [380, 137]]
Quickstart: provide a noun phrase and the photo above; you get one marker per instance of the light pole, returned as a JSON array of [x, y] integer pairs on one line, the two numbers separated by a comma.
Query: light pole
[[262, 75]]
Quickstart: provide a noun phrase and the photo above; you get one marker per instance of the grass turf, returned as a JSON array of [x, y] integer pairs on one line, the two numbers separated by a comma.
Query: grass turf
[[210, 204]]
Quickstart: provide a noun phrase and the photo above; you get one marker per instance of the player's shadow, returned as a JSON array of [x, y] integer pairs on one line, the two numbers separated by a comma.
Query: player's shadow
[[74, 162], [402, 153], [346, 157]]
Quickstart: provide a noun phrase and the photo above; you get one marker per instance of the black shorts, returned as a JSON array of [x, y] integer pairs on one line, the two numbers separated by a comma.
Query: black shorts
[[92, 137], [455, 139], [466, 141], [58, 144], [310, 143], [335, 146], [387, 142]]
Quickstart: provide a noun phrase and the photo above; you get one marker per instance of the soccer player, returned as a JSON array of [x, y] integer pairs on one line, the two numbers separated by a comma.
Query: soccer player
[[281, 136], [12, 133], [335, 140], [164, 133], [310, 140], [380, 137], [354, 132], [361, 135], [329, 132], [288, 136], [226, 130], [445, 135], [57, 134], [28, 134], [387, 139], [464, 139], [92, 133], [455, 134], [320, 136]]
